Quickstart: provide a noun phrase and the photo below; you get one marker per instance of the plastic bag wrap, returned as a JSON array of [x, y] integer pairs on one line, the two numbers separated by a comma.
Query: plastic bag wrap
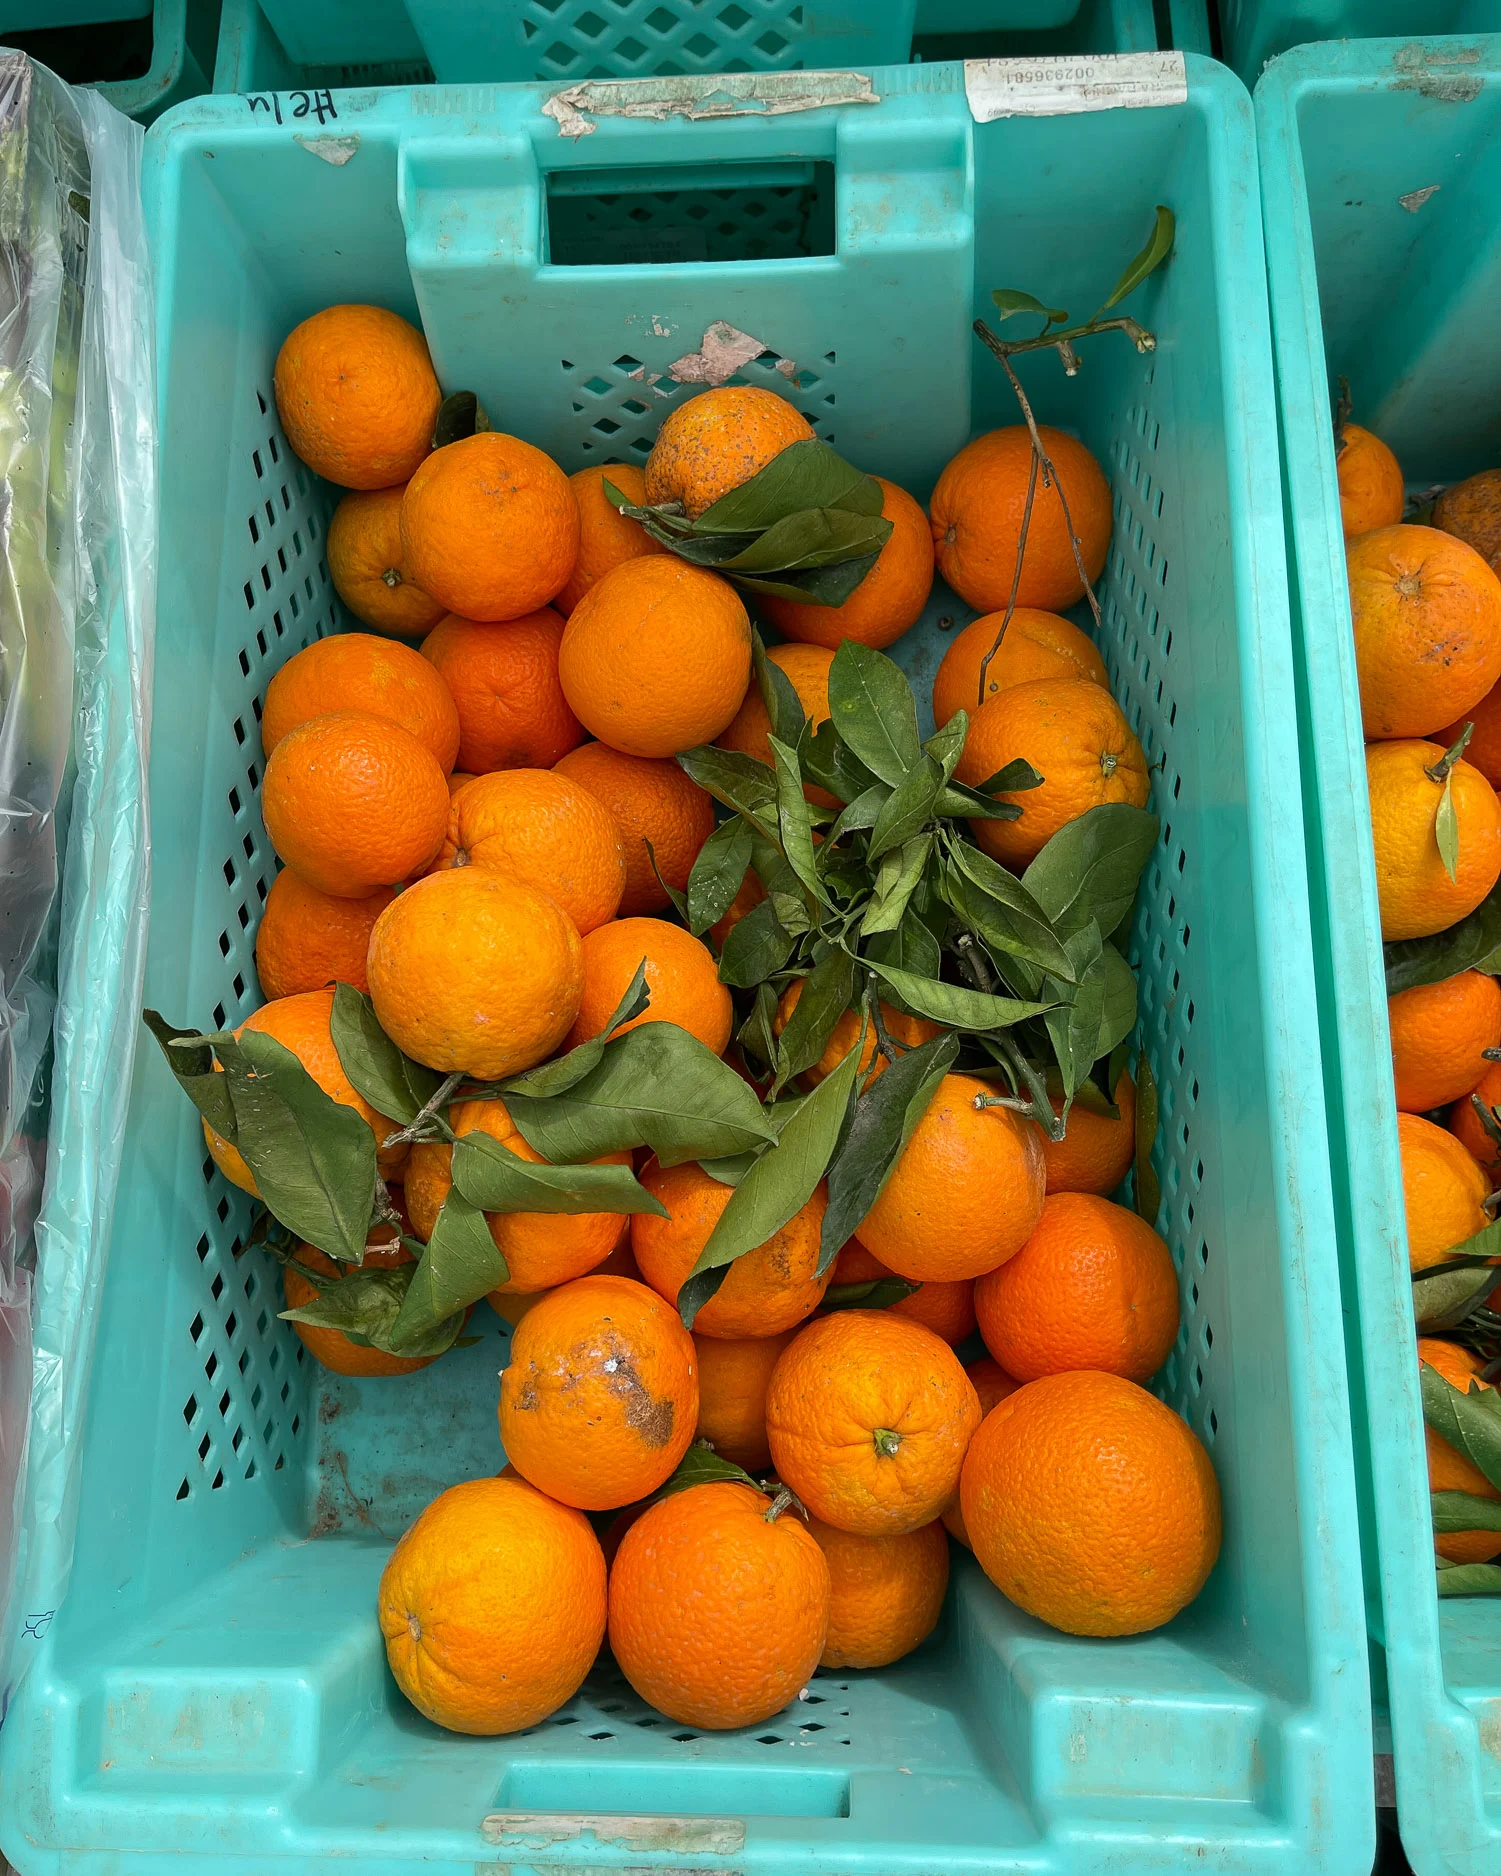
[[77, 608]]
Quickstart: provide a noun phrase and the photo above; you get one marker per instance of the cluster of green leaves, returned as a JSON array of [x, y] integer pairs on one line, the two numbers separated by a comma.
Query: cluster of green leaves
[[1009, 301], [807, 527], [1471, 1423]]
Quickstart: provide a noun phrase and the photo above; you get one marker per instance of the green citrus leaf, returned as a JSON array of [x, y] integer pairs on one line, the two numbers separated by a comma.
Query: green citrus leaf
[[1464, 1511], [718, 874], [1468, 1579], [391, 1082], [897, 878], [1473, 944], [494, 1178], [741, 782], [804, 475], [1091, 868], [995, 905], [557, 1077], [190, 1057], [701, 1465], [1446, 829], [826, 994], [366, 1305], [908, 808], [954, 1005], [872, 710], [874, 1293], [794, 820], [1159, 246], [1470, 1421], [459, 1264], [1009, 301]]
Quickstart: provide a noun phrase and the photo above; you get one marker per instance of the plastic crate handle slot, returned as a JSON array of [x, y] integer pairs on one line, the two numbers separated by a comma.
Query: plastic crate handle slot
[[526, 246]]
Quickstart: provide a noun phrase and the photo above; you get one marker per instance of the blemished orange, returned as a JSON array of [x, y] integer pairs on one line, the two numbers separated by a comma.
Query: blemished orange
[[353, 802], [1091, 1505], [1483, 750], [656, 656], [1035, 645], [545, 829], [1443, 1190], [541, 1249], [366, 565], [493, 1606], [976, 514], [718, 1606], [732, 1382], [966, 1192], [489, 527], [1413, 888], [806, 668], [503, 678], [771, 1288], [948, 1309], [992, 1384], [606, 537], [1439, 1035], [1073, 733], [1096, 1152], [868, 1417], [682, 981], [331, 1348], [890, 598], [358, 671], [302, 1024], [653, 801], [307, 938], [1427, 615], [885, 1593], [600, 1399], [1471, 512], [476, 973], [910, 1031], [1468, 1128], [1371, 490], [1093, 1287], [357, 395], [1450, 1470], [717, 440]]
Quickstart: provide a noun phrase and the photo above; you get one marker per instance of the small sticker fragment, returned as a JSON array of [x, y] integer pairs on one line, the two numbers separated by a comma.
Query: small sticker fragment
[[335, 150], [724, 351], [1104, 81], [723, 94], [1415, 198]]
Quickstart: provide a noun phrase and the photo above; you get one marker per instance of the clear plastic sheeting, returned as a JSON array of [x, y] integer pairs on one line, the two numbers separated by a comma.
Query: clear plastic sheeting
[[77, 606]]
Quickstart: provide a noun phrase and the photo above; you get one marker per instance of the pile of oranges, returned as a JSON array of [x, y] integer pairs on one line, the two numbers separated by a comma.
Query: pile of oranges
[[1426, 608], [482, 825]]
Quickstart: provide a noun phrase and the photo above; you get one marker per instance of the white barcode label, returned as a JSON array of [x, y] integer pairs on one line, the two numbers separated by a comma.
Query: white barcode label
[[1102, 81]]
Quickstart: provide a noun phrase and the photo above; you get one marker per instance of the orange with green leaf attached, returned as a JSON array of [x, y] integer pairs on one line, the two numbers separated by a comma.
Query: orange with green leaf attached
[[1444, 1191], [1472, 1132], [1450, 1470], [1436, 827]]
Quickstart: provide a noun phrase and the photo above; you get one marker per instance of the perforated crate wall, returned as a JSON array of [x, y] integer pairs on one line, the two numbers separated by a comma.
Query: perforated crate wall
[[578, 39]]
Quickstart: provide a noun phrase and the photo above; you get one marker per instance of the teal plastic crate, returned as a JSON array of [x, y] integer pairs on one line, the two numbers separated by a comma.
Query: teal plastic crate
[[213, 1696], [1255, 31], [142, 57], [1380, 162]]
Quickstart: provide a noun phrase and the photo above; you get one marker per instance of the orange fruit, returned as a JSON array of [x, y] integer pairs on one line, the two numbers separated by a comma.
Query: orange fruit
[[717, 440], [600, 1400], [976, 515], [681, 978], [1427, 616], [1414, 890], [366, 565], [1096, 1152], [1450, 1470], [1443, 1190], [606, 537], [504, 680], [948, 1309], [1036, 645], [301, 1024], [357, 671], [307, 938], [651, 800], [769, 1289], [966, 1192], [807, 669], [353, 802], [541, 1249], [1483, 750], [330, 1347], [1465, 1123], [718, 1606], [887, 601], [992, 1384], [1073, 733], [357, 395], [489, 527], [542, 828], [908, 1030], [885, 1593], [1371, 490], [1093, 1287], [475, 972], [732, 1382], [1091, 1505], [656, 656], [512, 1305], [493, 1607], [1471, 512], [868, 1416], [1439, 1034]]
